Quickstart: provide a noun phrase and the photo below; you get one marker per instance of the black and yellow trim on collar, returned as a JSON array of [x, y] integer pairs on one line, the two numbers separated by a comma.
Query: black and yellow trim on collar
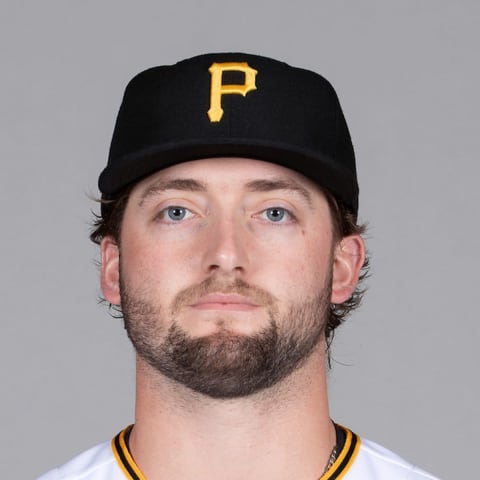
[[345, 457], [123, 457], [338, 470]]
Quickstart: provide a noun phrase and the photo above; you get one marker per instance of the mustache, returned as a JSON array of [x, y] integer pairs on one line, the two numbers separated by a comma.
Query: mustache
[[237, 286]]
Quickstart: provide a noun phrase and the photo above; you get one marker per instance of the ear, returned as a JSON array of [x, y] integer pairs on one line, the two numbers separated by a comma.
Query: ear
[[349, 257], [110, 271]]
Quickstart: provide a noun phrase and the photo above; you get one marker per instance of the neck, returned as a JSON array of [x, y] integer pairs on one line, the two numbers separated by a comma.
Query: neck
[[280, 433]]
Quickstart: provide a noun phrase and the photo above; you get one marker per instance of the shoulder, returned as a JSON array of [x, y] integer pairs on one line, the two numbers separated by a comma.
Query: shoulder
[[97, 463], [374, 461]]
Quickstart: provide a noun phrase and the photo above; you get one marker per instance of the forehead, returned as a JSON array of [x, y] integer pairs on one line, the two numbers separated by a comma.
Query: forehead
[[230, 172]]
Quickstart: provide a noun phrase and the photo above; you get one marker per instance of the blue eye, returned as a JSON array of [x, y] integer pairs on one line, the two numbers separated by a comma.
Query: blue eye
[[276, 214], [176, 213]]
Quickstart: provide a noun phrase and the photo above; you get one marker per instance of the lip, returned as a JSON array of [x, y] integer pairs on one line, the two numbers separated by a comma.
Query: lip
[[224, 301]]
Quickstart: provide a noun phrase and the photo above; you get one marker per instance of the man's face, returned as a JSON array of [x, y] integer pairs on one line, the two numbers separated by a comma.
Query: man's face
[[224, 273]]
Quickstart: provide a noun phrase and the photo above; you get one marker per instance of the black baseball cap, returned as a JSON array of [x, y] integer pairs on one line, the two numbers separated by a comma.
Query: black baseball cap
[[232, 105]]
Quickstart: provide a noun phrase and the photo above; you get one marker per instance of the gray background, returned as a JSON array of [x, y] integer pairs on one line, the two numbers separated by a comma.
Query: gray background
[[407, 73]]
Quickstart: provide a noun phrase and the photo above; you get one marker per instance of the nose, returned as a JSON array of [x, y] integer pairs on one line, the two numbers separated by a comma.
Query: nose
[[227, 249]]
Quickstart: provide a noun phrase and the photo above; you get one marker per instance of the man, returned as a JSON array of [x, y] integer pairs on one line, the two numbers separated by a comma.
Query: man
[[229, 241]]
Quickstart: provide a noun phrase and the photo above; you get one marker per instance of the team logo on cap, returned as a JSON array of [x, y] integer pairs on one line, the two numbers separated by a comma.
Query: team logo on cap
[[217, 88]]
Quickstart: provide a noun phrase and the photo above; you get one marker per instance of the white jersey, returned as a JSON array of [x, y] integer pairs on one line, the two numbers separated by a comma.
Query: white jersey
[[357, 460]]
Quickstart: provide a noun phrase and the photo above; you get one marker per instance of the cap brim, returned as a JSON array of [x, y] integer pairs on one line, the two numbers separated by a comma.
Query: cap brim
[[314, 165]]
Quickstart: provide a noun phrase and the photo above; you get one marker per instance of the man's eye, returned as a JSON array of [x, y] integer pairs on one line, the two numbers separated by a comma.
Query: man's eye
[[176, 213], [277, 214]]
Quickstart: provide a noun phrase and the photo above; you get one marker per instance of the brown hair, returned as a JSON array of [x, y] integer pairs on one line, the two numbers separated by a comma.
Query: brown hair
[[109, 223]]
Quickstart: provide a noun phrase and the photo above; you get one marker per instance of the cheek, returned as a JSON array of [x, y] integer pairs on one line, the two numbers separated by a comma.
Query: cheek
[[158, 270], [312, 273], [298, 271]]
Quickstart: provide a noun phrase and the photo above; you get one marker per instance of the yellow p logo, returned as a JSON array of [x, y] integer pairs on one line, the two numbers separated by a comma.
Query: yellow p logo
[[217, 89]]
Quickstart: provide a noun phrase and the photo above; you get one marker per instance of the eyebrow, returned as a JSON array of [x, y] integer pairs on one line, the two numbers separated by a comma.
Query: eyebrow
[[279, 184], [191, 185], [185, 184]]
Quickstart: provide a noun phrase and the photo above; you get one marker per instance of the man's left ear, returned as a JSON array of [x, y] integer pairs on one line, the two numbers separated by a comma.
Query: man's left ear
[[349, 256]]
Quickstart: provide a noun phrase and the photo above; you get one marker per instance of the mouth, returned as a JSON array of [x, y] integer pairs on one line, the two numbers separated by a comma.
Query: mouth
[[223, 301]]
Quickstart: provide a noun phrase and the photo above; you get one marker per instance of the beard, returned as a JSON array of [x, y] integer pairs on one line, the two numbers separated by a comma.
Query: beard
[[225, 364]]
